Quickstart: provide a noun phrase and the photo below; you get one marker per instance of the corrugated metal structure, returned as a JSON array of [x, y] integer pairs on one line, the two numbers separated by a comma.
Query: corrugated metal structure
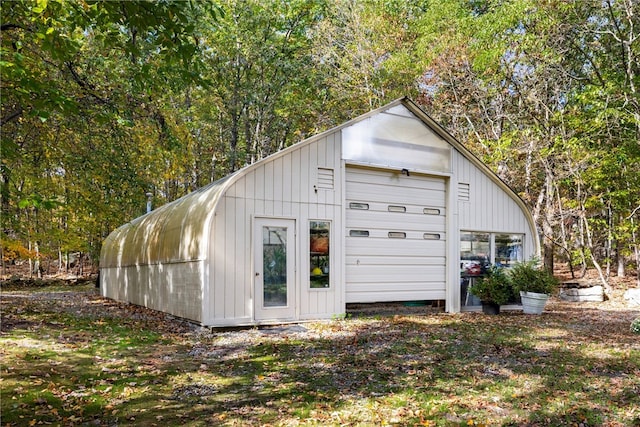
[[387, 207]]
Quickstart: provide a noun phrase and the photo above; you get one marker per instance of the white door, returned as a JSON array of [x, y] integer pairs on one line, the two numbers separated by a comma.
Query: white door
[[274, 262], [395, 236]]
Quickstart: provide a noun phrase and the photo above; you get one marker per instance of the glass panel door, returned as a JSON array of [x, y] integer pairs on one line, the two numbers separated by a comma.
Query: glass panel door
[[275, 271]]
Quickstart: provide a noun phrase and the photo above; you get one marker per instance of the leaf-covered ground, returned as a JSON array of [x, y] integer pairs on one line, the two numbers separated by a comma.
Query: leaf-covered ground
[[70, 357]]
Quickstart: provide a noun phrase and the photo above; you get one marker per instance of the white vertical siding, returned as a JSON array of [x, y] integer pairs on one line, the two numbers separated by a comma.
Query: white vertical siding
[[170, 287], [452, 303], [489, 207], [218, 274], [285, 186]]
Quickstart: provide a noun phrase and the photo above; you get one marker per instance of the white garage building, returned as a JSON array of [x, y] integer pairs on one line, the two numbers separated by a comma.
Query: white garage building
[[386, 207]]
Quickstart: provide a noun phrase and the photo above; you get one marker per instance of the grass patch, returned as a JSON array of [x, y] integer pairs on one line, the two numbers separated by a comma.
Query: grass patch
[[70, 357]]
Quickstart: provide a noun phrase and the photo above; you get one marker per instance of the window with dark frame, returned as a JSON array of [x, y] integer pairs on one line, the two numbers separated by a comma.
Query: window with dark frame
[[319, 254]]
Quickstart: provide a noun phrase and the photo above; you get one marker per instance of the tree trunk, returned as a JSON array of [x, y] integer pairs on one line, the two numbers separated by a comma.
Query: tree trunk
[[36, 264], [547, 226], [4, 264], [609, 244], [563, 233], [636, 249], [30, 261], [607, 287], [80, 264], [620, 258], [547, 244]]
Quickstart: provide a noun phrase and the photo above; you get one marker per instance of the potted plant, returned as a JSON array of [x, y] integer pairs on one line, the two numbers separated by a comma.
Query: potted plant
[[535, 285], [494, 289]]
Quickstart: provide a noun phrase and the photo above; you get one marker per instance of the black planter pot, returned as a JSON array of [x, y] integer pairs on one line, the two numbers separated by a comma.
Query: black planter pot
[[490, 308]]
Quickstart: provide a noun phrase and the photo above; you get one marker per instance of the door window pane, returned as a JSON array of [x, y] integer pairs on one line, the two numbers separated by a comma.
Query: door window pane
[[357, 205], [393, 208], [274, 255]]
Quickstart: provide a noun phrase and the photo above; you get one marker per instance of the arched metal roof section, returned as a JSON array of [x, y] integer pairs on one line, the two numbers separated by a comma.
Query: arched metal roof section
[[175, 232]]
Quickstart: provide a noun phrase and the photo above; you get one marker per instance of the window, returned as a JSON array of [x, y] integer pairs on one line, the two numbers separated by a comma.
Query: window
[[356, 205], [508, 249], [478, 251], [431, 236], [392, 208], [475, 253], [274, 256], [358, 233], [397, 139], [319, 259], [431, 211], [397, 235]]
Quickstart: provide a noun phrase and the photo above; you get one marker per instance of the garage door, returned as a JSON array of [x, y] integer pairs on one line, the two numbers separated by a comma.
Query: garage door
[[395, 236]]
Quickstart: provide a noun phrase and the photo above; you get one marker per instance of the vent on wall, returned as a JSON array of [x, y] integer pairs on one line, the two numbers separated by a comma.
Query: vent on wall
[[464, 192], [325, 178]]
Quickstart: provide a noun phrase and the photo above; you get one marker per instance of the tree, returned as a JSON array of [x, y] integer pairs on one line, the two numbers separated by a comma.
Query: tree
[[365, 56], [552, 83], [76, 80], [262, 75]]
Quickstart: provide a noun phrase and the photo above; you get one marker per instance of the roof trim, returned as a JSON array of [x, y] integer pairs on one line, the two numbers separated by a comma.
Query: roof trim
[[443, 133]]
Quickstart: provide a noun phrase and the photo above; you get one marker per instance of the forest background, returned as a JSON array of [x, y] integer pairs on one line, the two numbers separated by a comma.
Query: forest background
[[106, 101]]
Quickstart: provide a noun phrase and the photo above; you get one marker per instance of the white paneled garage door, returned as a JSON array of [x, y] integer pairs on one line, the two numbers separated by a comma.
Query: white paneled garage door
[[395, 236]]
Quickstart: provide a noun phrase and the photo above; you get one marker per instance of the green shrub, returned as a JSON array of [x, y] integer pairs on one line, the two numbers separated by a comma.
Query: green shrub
[[495, 287], [530, 277], [635, 326]]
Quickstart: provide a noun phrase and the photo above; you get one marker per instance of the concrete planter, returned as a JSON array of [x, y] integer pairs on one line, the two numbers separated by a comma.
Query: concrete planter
[[580, 294], [533, 302], [633, 296]]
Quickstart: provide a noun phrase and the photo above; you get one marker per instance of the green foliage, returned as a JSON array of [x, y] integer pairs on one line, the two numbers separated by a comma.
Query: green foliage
[[13, 250], [635, 325], [364, 55], [263, 89], [530, 276], [494, 287], [79, 83], [37, 201]]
